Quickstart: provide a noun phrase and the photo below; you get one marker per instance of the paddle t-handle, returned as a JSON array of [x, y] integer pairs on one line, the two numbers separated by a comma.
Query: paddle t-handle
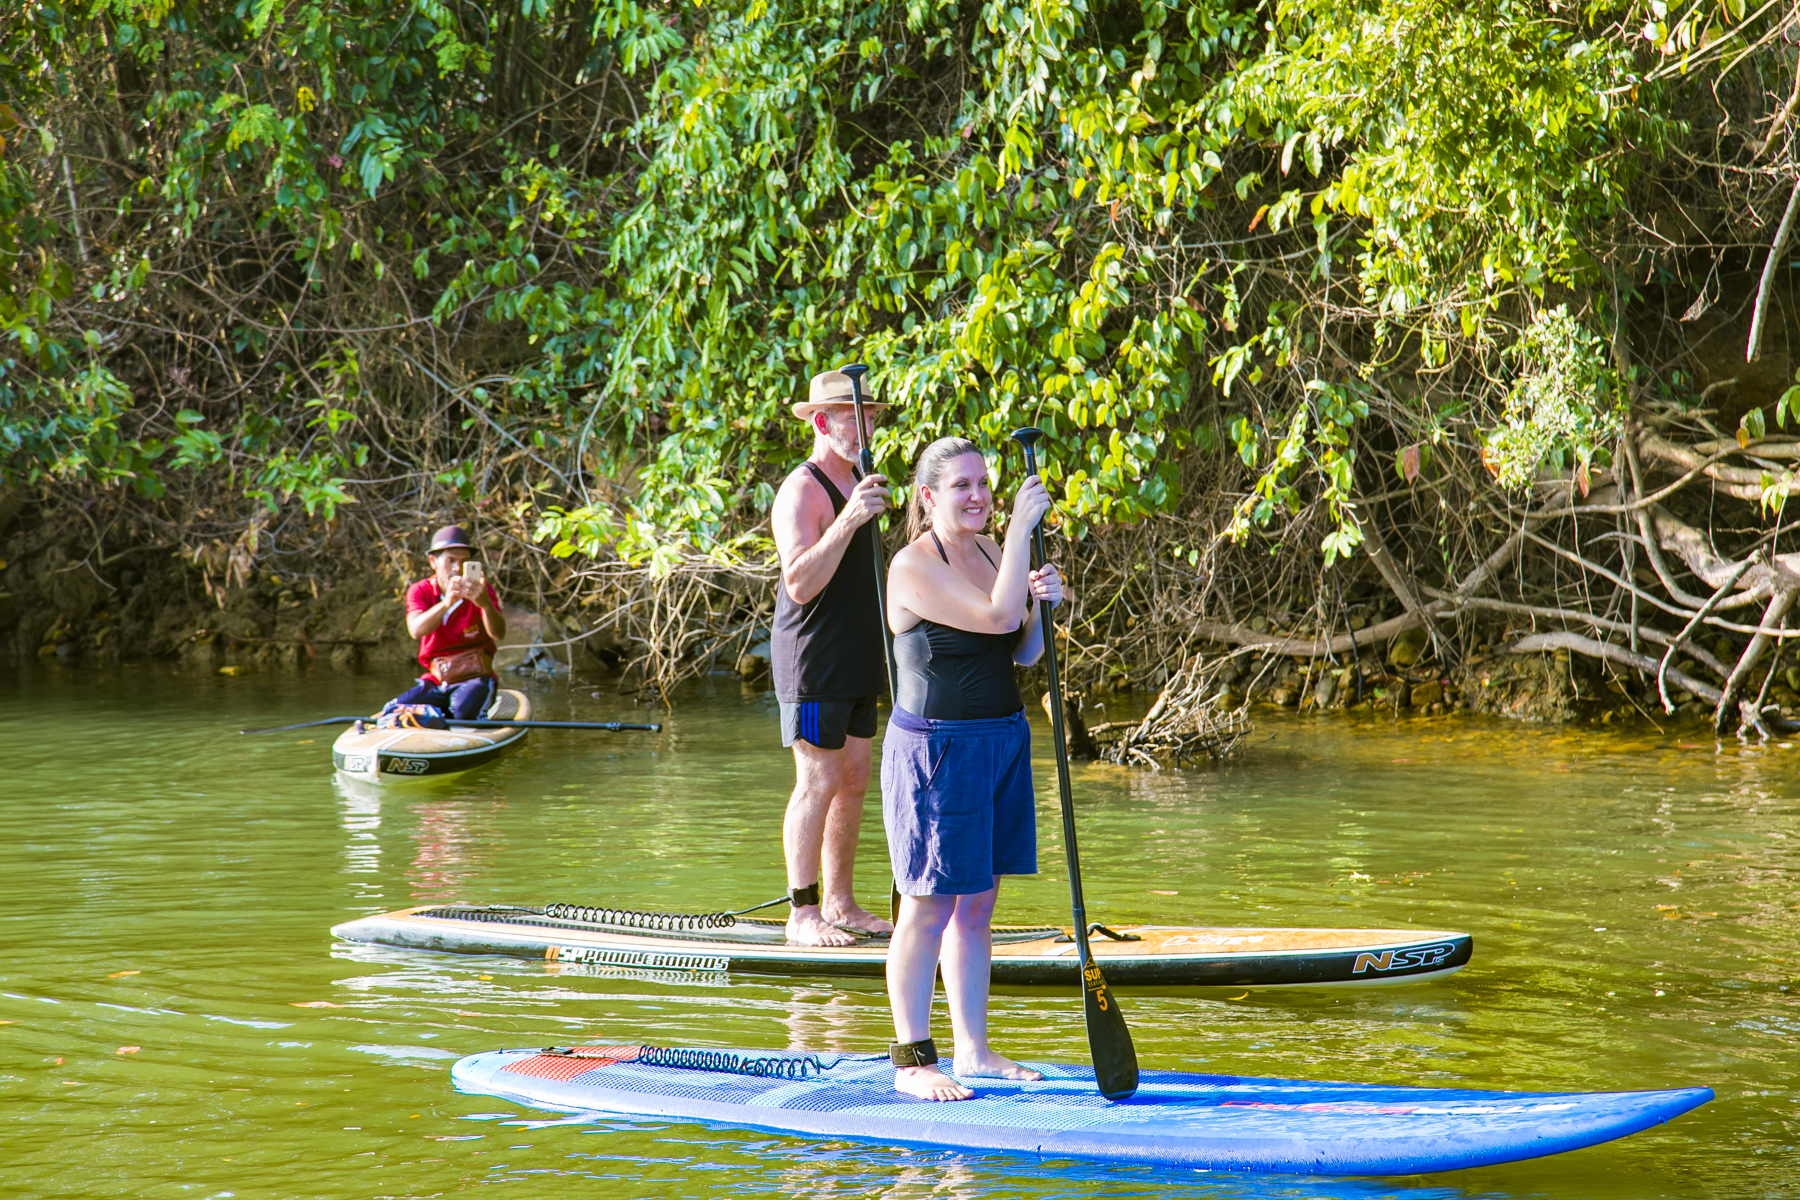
[[865, 456], [1109, 1039]]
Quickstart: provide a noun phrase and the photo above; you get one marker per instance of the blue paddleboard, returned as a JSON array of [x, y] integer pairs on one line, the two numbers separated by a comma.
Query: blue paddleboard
[[1219, 1122]]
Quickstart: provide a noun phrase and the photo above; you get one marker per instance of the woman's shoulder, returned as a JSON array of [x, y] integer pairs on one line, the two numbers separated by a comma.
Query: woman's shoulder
[[918, 551]]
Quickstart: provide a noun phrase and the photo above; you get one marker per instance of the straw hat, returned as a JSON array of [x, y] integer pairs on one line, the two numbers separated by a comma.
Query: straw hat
[[832, 387]]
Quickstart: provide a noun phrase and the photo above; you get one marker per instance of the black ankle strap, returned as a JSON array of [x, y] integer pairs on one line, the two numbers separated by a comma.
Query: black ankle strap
[[801, 896], [913, 1054]]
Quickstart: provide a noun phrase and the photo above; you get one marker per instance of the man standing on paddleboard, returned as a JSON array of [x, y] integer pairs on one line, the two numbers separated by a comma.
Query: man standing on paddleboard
[[828, 660]]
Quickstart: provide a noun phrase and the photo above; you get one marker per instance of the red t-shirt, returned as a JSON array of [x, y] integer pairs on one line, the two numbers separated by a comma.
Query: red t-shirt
[[461, 628]]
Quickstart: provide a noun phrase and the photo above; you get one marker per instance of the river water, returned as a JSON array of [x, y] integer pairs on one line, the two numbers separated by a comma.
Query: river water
[[178, 1021]]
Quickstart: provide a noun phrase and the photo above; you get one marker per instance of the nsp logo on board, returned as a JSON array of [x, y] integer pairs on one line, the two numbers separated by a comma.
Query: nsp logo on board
[[1397, 960], [406, 766]]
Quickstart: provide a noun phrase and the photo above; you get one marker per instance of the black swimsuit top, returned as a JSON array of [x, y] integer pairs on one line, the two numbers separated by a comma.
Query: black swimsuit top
[[830, 647], [949, 674]]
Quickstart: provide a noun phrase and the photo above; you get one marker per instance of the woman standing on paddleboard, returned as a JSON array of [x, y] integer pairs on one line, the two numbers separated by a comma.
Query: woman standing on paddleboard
[[956, 792]]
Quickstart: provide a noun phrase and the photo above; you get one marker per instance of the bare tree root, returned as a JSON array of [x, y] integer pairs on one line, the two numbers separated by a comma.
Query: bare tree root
[[1184, 726], [1538, 643], [675, 623], [1696, 550], [1776, 612]]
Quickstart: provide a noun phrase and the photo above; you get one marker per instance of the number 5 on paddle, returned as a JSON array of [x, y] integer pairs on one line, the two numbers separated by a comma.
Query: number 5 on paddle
[[1109, 1041]]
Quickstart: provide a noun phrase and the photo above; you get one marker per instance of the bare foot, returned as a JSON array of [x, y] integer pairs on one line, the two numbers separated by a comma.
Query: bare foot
[[929, 1083], [805, 927], [858, 919], [994, 1066]]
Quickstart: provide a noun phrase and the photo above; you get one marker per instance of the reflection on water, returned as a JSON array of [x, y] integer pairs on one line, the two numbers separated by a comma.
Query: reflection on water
[[359, 806], [452, 843], [820, 1020], [178, 1021]]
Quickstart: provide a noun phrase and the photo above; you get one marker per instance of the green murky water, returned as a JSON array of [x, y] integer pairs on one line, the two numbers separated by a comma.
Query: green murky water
[[167, 885]]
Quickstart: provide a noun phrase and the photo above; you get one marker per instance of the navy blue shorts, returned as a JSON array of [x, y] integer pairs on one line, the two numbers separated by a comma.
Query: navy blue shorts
[[957, 802], [825, 723], [464, 701]]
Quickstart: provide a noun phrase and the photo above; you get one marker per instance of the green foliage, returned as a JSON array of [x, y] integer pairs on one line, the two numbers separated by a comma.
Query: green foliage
[[608, 243], [1473, 146], [1566, 402]]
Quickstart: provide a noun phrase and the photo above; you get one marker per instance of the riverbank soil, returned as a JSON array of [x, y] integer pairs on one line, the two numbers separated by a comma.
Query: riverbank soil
[[65, 599]]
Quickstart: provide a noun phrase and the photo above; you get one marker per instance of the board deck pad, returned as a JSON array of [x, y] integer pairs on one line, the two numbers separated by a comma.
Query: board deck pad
[[1165, 955], [1216, 1122]]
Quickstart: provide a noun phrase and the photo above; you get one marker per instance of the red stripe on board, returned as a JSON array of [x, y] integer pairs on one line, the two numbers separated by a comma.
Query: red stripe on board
[[568, 1066]]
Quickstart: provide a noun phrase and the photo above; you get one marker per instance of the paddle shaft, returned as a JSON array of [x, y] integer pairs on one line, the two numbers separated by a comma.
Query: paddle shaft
[[606, 726], [1109, 1040], [1065, 790], [306, 725], [865, 461]]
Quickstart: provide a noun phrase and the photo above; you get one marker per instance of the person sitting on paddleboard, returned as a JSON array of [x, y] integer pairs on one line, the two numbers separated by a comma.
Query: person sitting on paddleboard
[[956, 792], [459, 626], [828, 661]]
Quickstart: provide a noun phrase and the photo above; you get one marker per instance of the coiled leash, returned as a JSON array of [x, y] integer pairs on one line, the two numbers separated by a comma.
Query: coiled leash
[[769, 1067], [628, 918]]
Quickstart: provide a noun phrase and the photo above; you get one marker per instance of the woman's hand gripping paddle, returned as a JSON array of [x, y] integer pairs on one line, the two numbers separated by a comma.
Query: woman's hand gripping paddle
[[1109, 1041]]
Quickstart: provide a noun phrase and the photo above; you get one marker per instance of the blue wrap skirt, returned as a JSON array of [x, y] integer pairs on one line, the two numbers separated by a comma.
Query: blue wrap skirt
[[956, 800]]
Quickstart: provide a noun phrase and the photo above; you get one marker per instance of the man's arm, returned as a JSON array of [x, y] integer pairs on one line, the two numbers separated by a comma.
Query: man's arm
[[421, 621], [809, 539], [491, 616]]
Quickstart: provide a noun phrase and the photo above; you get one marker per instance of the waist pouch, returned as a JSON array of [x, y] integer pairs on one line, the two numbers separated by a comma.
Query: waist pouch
[[463, 665]]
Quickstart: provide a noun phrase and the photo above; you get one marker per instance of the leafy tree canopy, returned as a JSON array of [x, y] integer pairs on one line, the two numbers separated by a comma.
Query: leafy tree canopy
[[586, 254]]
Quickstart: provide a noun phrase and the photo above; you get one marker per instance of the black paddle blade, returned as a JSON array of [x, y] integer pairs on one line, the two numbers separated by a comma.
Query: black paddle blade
[[1109, 1041]]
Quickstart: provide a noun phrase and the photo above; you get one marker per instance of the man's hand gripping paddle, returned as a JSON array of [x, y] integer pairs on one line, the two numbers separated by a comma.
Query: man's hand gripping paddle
[[1109, 1041], [865, 464]]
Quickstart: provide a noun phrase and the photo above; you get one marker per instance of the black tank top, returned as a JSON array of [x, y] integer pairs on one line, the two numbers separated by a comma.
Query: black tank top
[[949, 674], [830, 647]]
